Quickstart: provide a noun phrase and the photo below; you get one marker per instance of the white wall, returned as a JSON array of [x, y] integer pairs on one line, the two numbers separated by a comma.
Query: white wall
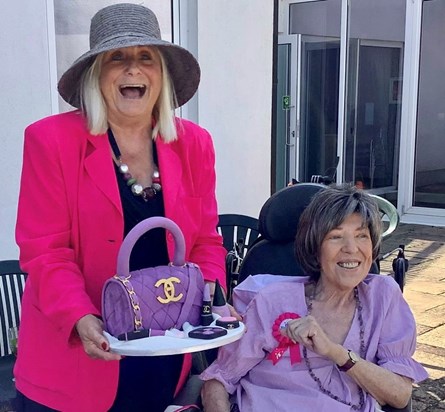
[[235, 42], [26, 96]]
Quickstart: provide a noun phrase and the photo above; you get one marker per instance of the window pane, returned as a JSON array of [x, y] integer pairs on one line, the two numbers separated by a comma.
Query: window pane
[[429, 187], [373, 104], [319, 24]]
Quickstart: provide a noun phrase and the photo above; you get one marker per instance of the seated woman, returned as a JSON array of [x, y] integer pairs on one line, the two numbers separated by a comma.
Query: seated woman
[[338, 340]]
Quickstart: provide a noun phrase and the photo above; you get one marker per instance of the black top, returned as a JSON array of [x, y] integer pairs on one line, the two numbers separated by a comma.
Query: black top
[[151, 249], [150, 381]]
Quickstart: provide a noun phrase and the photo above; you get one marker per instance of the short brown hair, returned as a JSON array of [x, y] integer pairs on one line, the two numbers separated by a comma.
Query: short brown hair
[[327, 210]]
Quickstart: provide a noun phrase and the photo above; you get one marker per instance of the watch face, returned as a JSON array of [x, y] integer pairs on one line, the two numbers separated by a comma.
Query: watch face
[[354, 357]]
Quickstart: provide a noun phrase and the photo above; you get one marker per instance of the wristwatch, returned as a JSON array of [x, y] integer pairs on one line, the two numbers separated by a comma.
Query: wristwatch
[[353, 359]]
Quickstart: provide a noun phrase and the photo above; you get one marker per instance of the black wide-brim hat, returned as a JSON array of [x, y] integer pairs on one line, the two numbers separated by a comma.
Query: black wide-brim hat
[[126, 25]]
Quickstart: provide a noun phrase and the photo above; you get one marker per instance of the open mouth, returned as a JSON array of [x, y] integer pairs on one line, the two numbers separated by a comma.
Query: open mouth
[[132, 91], [349, 265]]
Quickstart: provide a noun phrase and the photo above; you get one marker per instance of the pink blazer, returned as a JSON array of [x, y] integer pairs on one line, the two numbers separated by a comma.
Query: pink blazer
[[69, 229]]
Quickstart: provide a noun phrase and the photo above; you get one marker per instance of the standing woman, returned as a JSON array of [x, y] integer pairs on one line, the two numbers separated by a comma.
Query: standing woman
[[88, 177]]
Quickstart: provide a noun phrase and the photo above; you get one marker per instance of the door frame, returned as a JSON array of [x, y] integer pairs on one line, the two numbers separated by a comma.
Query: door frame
[[283, 38], [293, 138]]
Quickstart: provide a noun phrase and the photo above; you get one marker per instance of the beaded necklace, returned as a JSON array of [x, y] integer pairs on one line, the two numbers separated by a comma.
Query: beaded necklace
[[137, 189], [362, 354]]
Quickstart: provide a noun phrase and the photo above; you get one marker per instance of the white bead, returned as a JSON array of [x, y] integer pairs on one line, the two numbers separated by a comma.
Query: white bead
[[137, 189], [123, 168]]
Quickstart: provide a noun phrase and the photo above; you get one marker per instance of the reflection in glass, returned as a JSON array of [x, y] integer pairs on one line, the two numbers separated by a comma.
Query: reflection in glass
[[374, 86], [429, 183], [319, 25], [319, 107], [373, 122]]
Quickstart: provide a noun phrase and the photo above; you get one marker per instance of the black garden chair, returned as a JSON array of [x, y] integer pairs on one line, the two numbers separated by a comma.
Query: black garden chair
[[12, 284], [239, 232]]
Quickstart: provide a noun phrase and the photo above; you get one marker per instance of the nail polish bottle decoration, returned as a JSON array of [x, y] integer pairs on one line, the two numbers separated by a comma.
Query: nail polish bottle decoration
[[206, 311]]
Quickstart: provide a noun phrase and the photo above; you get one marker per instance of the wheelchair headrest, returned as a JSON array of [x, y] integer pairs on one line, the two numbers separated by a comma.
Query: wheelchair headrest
[[281, 213]]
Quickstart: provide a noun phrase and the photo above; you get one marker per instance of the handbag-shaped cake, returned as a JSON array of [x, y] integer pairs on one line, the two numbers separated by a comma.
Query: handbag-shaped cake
[[156, 298]]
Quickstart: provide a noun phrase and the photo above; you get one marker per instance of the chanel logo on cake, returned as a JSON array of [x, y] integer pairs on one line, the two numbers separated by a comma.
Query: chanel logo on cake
[[169, 290]]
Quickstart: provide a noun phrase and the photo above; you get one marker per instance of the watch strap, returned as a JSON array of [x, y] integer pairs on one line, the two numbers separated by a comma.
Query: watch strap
[[349, 363]]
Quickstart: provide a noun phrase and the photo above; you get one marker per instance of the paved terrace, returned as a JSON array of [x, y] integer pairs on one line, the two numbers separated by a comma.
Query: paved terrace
[[425, 292]]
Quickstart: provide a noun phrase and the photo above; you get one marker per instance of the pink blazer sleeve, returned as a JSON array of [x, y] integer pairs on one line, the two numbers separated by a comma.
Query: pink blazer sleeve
[[44, 235]]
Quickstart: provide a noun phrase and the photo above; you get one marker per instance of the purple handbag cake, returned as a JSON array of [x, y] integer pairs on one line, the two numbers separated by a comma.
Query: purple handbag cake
[[157, 298]]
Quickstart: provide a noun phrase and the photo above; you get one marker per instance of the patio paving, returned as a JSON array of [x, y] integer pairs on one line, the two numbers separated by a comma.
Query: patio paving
[[425, 292]]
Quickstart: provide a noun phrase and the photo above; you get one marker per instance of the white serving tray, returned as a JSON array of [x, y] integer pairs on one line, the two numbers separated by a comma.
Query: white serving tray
[[167, 345]]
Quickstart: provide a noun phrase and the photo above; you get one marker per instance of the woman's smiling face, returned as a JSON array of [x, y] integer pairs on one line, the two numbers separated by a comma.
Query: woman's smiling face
[[346, 254], [131, 81]]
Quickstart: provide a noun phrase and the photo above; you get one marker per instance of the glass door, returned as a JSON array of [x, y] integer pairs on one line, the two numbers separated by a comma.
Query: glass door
[[375, 44], [320, 62], [373, 115], [317, 26], [355, 58], [350, 72]]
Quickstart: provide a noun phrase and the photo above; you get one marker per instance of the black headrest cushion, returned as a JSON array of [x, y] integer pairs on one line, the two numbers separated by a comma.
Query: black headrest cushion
[[281, 213]]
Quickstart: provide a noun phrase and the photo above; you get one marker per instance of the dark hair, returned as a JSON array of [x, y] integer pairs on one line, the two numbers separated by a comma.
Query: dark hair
[[327, 210]]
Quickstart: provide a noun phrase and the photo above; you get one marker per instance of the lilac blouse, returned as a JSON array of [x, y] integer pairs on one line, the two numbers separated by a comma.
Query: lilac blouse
[[258, 385]]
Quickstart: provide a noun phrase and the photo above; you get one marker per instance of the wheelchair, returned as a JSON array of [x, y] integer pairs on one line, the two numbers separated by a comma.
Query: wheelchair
[[266, 244], [273, 250]]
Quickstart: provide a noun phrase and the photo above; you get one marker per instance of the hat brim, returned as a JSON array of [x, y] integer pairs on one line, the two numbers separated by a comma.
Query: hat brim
[[183, 68]]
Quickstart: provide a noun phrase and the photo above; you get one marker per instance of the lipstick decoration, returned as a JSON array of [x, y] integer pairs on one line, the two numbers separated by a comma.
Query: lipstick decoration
[[148, 333], [219, 301], [140, 334], [206, 311]]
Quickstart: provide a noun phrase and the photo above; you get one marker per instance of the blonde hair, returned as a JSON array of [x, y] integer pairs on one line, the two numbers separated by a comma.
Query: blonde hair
[[94, 107]]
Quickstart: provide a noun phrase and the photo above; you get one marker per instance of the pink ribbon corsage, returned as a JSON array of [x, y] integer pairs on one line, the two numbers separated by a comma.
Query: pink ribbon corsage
[[283, 341]]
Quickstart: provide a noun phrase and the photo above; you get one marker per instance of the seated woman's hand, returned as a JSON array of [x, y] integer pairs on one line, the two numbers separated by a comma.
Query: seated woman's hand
[[309, 333], [234, 313], [96, 346]]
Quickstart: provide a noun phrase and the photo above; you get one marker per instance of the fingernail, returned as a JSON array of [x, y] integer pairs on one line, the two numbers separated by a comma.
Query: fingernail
[[104, 346]]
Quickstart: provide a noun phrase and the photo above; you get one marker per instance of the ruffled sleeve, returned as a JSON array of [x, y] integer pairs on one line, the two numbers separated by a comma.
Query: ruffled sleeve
[[397, 342], [237, 359]]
